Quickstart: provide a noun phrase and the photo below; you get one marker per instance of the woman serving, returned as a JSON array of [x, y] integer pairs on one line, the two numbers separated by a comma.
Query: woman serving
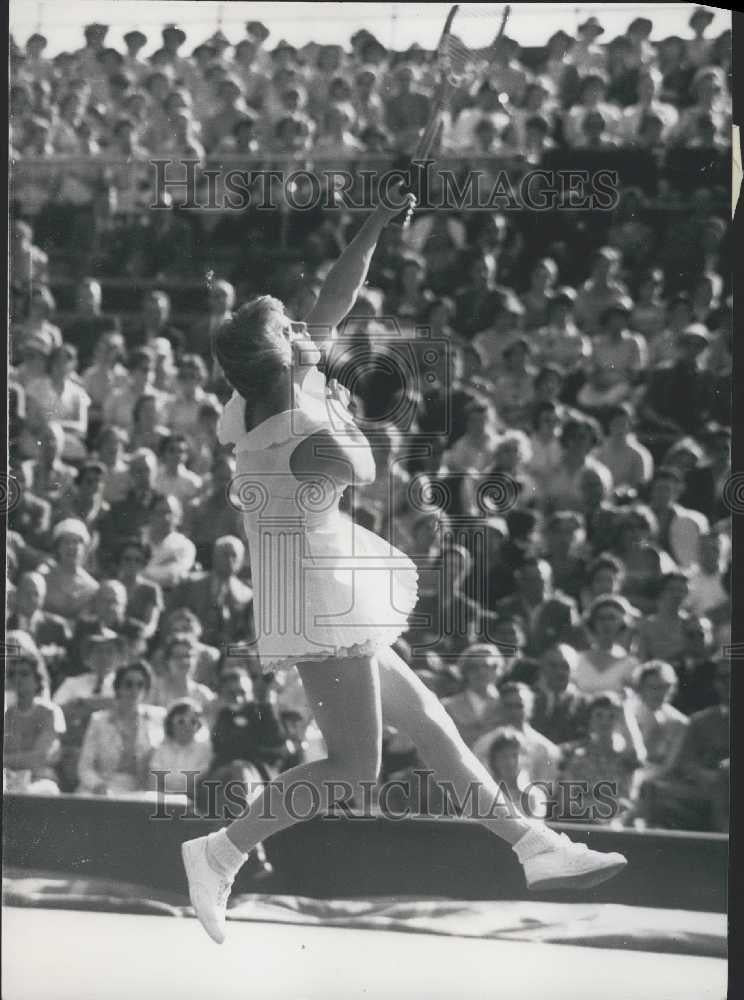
[[331, 597]]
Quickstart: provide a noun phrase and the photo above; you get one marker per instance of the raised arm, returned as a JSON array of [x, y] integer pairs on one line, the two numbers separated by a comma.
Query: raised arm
[[347, 276]]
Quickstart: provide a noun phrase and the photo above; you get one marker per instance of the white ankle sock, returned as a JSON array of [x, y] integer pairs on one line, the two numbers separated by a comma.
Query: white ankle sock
[[223, 855], [538, 839]]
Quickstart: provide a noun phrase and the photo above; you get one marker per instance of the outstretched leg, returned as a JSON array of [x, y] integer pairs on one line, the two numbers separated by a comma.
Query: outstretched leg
[[550, 860], [345, 698]]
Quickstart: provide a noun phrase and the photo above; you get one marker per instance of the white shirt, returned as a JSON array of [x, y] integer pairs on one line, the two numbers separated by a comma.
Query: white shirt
[[83, 686], [172, 559], [614, 677]]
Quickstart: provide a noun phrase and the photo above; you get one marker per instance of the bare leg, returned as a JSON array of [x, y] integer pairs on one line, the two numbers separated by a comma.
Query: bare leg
[[345, 698], [411, 707]]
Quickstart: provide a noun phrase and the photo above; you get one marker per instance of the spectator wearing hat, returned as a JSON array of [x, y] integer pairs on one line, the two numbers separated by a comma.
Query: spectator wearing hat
[[144, 597], [620, 355], [99, 653], [699, 47], [70, 588], [37, 65], [630, 463], [34, 352], [132, 64], [638, 33], [32, 725], [119, 741], [87, 63], [679, 528], [504, 72], [47, 475], [601, 289], [585, 54]]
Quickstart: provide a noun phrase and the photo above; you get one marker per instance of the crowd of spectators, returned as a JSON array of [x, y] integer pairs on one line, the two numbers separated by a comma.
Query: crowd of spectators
[[560, 478]]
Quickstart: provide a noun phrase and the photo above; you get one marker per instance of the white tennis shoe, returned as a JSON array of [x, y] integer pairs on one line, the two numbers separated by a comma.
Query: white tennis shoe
[[209, 889], [559, 863]]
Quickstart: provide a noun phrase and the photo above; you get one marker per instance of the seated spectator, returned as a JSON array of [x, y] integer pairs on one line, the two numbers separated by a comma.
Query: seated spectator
[[50, 632], [118, 409], [605, 575], [232, 108], [172, 553], [32, 726], [709, 580], [144, 598], [545, 444], [592, 98], [119, 741], [649, 88], [706, 485], [70, 588], [629, 462], [89, 322], [107, 374], [109, 452], [155, 322], [560, 711], [221, 601], [679, 528], [540, 756], [176, 680], [578, 439], [407, 111], [38, 322], [619, 356], [367, 103], [547, 616], [131, 516], [209, 517], [662, 726], [649, 313], [186, 752], [584, 52], [174, 478], [602, 289], [247, 738], [221, 299], [59, 397], [31, 353], [477, 447], [28, 263], [696, 667], [607, 665], [147, 431], [679, 396], [477, 708], [462, 134], [661, 635], [506, 753], [183, 410], [560, 342], [605, 762], [453, 617], [708, 89], [602, 519], [644, 562], [107, 608], [694, 796], [564, 550], [335, 137], [514, 382], [85, 502]]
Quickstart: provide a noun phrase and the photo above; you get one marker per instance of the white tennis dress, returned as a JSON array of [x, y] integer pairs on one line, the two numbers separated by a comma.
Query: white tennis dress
[[323, 586]]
